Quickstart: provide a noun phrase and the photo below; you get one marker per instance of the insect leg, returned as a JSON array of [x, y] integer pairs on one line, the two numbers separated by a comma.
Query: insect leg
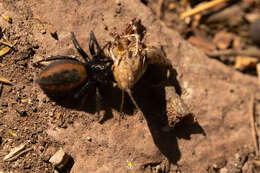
[[79, 49], [111, 53], [133, 100], [122, 105], [136, 41]]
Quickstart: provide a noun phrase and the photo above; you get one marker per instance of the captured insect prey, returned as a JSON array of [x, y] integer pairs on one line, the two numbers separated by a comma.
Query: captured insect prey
[[68, 74], [132, 57]]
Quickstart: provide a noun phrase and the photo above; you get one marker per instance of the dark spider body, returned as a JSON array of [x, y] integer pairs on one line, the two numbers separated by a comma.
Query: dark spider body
[[67, 74], [63, 75]]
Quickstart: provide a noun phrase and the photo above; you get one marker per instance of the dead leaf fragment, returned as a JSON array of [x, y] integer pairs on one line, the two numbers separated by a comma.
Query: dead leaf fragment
[[237, 43], [8, 19], [244, 62], [223, 40], [6, 81], [201, 7], [202, 43], [58, 115], [39, 24], [4, 51], [11, 132], [15, 151]]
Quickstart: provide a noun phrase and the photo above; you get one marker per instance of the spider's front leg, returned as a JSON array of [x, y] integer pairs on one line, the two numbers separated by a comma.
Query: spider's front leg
[[79, 49], [52, 58], [92, 43], [100, 51]]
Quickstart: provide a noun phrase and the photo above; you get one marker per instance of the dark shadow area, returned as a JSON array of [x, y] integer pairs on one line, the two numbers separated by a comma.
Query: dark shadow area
[[150, 95], [68, 166], [111, 99], [152, 100]]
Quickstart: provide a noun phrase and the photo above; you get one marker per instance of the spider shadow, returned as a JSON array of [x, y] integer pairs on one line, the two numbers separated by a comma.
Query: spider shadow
[[87, 101], [153, 104]]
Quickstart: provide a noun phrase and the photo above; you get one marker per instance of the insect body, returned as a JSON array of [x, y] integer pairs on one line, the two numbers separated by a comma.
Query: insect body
[[67, 74], [132, 57]]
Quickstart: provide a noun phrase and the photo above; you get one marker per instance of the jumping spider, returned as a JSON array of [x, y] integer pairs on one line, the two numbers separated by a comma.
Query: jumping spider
[[68, 74]]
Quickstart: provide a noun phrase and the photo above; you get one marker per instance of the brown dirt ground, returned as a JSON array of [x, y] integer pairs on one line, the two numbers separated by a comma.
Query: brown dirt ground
[[218, 96]]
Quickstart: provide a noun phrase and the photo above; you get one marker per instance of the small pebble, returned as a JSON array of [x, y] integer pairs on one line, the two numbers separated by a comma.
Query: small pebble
[[41, 148], [89, 139], [223, 170], [118, 10], [54, 35], [59, 159], [118, 2], [22, 113]]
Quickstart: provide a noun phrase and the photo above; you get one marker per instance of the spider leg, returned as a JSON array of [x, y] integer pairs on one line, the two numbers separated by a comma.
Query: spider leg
[[54, 58], [79, 49], [88, 86], [82, 89], [92, 43], [98, 102]]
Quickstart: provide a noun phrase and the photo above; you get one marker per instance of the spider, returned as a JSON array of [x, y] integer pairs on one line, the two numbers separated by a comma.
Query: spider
[[68, 74]]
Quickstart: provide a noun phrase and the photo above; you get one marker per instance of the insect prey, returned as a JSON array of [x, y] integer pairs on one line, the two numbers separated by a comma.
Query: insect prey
[[131, 58]]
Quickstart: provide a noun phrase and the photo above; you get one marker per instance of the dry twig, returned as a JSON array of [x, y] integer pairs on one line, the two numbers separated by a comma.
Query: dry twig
[[159, 9], [1, 88], [231, 52], [201, 8], [5, 81], [14, 151], [19, 154], [258, 73], [252, 123]]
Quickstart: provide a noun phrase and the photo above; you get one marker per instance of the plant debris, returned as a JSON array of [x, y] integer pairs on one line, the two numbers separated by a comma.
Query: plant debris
[[5, 81], [16, 152]]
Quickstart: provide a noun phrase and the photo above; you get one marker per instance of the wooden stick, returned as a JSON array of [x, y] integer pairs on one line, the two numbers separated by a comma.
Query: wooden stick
[[252, 123], [159, 9], [201, 8], [5, 81], [258, 73], [231, 52], [1, 88], [19, 154]]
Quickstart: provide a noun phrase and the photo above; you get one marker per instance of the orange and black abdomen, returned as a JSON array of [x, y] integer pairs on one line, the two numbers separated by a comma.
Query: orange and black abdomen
[[62, 76]]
